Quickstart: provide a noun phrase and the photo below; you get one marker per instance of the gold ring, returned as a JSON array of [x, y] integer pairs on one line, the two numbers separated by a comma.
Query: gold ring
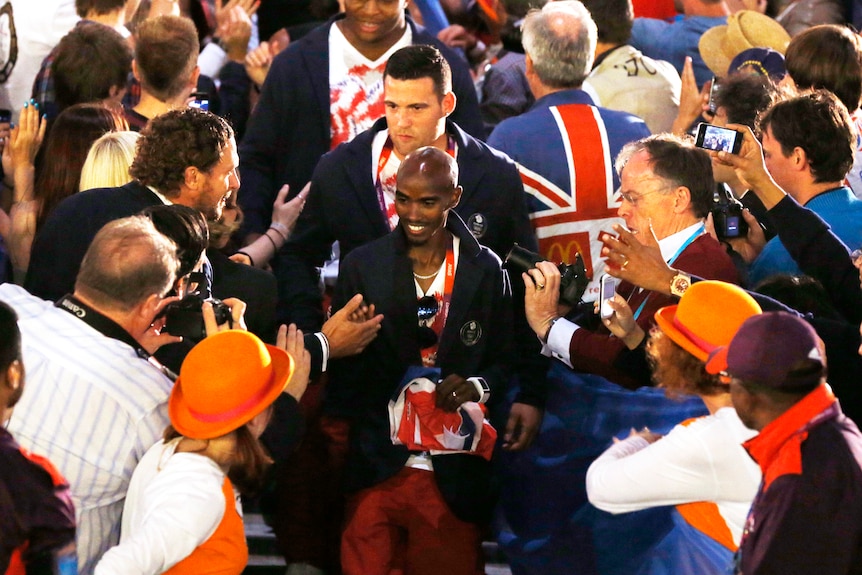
[[625, 263], [540, 287]]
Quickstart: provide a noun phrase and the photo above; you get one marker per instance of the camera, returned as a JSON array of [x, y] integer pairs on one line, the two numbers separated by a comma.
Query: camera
[[727, 214], [185, 318], [574, 278]]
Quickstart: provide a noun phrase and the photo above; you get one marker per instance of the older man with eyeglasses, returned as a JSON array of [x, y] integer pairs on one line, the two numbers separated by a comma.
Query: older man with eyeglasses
[[666, 187]]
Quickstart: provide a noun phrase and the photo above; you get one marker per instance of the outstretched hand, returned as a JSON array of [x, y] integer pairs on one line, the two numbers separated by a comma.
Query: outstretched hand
[[750, 167], [347, 337], [290, 339]]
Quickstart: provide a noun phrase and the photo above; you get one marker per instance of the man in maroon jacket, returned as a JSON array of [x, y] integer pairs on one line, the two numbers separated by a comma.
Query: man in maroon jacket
[[666, 189]]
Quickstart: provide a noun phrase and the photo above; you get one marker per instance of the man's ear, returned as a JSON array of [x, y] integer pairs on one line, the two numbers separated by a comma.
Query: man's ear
[[682, 199], [193, 79], [449, 101], [456, 197], [192, 177], [799, 158], [14, 376]]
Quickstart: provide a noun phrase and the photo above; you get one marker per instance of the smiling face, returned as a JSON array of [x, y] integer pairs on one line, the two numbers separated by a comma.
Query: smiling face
[[218, 184], [422, 207], [373, 26], [415, 114]]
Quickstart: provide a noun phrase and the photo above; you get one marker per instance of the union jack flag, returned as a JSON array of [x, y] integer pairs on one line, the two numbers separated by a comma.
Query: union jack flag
[[571, 220]]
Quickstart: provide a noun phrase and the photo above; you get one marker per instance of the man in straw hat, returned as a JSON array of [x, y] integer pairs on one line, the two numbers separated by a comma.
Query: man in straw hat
[[744, 30], [807, 516]]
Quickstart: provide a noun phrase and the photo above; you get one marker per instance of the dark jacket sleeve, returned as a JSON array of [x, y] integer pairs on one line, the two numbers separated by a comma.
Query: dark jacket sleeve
[[820, 254]]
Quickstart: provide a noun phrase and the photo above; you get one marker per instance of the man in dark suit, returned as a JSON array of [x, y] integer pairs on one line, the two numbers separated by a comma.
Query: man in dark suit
[[186, 157], [410, 507], [352, 196]]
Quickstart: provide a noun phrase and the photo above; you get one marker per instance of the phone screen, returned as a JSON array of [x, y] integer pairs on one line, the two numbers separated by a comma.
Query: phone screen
[[608, 289], [716, 138]]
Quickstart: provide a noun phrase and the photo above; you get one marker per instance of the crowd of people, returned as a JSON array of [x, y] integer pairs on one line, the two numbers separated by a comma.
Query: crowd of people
[[344, 338]]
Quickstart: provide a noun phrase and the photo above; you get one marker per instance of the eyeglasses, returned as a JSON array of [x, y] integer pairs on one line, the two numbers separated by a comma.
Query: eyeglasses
[[633, 199], [426, 308]]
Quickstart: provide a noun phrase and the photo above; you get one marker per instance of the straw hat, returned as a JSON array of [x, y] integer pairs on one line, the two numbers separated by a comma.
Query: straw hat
[[745, 29], [226, 380], [707, 317]]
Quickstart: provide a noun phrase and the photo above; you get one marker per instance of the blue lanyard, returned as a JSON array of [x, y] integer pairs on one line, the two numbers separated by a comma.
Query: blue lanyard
[[672, 259]]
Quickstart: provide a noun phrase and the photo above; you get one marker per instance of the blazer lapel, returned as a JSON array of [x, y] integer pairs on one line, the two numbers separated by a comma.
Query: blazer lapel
[[468, 276], [358, 167]]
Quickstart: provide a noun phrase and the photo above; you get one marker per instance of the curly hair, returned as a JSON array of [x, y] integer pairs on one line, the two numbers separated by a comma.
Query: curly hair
[[677, 371], [177, 140]]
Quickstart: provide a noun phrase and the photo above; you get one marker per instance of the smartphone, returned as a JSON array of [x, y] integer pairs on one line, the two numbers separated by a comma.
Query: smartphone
[[713, 88], [607, 290], [5, 116], [201, 101], [710, 137]]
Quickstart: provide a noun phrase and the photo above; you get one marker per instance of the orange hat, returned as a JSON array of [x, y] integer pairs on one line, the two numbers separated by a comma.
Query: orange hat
[[226, 380], [707, 317]]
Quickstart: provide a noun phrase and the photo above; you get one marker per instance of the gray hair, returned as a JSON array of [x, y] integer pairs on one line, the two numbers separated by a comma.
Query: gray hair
[[560, 39]]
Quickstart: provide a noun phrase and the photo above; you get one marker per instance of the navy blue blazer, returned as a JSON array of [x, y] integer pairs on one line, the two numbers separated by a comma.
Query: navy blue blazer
[[61, 243], [342, 205], [476, 341], [289, 129]]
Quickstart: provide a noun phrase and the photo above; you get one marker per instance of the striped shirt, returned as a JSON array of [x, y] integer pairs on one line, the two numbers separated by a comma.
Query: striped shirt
[[92, 407]]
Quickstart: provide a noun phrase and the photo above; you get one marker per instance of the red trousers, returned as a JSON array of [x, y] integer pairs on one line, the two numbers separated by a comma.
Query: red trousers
[[403, 525]]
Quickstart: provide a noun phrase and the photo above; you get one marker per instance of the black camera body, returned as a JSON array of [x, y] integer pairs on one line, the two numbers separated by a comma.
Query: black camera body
[[573, 280], [727, 214], [185, 318]]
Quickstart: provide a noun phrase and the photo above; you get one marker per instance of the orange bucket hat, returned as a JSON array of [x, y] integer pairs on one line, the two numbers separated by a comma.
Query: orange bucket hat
[[226, 380], [707, 317]]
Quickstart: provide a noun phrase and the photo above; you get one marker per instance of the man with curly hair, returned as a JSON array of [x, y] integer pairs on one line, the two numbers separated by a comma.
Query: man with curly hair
[[186, 157]]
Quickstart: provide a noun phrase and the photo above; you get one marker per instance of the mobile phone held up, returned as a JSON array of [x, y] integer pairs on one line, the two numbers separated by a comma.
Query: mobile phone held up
[[713, 88], [607, 290], [201, 101], [711, 137]]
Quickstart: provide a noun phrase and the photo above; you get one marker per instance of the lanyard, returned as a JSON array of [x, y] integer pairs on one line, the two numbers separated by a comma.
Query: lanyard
[[385, 154], [672, 259], [443, 314], [109, 328]]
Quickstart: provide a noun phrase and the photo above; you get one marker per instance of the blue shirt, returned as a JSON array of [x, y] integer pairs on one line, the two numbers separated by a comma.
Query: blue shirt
[[674, 41], [839, 208]]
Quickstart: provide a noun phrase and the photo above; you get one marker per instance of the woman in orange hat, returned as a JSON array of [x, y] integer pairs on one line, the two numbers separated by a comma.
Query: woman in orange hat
[[700, 466], [182, 512]]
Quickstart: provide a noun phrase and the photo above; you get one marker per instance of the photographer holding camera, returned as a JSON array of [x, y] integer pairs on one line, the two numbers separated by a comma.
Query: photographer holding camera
[[666, 189], [96, 398]]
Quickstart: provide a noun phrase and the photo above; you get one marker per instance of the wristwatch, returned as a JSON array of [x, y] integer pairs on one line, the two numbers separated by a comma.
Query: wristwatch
[[679, 284], [482, 386]]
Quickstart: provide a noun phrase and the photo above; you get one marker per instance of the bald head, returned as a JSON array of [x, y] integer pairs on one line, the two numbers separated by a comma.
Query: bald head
[[437, 169]]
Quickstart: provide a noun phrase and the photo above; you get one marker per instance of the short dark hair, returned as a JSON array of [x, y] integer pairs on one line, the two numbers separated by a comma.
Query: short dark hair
[[828, 57], [613, 19], [90, 60], [176, 140], [127, 261], [186, 227], [744, 97], [678, 162], [83, 7], [420, 61], [819, 124], [10, 337], [166, 52]]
